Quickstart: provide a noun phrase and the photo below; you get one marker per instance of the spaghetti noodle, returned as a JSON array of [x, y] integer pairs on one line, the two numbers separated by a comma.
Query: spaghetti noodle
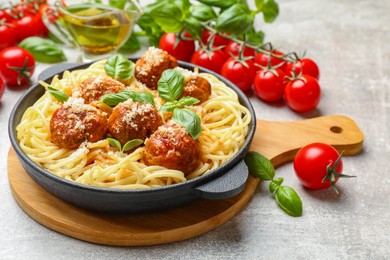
[[224, 123]]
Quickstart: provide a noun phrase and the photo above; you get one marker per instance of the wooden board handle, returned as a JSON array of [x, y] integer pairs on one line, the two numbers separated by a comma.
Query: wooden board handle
[[280, 141]]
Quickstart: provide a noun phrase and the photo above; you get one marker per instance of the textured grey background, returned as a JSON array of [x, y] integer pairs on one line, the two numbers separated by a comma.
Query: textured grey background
[[350, 41]]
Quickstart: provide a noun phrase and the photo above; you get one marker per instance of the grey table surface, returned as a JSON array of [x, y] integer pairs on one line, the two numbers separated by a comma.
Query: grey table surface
[[350, 41]]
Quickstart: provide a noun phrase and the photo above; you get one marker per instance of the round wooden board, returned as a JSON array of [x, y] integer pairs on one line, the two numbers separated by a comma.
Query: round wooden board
[[274, 142]]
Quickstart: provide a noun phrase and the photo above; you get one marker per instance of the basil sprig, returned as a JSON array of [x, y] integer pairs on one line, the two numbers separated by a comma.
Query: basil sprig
[[127, 147], [236, 18], [119, 67], [172, 105], [43, 50], [286, 197], [189, 120], [114, 99], [58, 94], [171, 84]]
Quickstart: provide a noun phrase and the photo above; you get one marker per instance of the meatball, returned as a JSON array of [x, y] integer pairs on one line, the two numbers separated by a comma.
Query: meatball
[[93, 88], [172, 147], [133, 120], [151, 65], [197, 87], [75, 123]]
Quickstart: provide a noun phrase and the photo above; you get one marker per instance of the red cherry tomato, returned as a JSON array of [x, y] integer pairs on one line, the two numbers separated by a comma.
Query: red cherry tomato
[[218, 40], [183, 50], [240, 74], [233, 48], [269, 84], [27, 26], [212, 60], [304, 66], [7, 36], [261, 59], [302, 94], [310, 165], [1, 89], [5, 16], [16, 65]]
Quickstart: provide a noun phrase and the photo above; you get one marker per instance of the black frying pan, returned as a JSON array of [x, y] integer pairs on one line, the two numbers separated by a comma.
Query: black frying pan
[[224, 182]]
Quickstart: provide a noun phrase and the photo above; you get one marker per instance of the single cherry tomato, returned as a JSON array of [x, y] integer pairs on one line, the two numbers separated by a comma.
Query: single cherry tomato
[[27, 26], [212, 60], [303, 93], [269, 84], [218, 40], [239, 72], [181, 50], [16, 65], [261, 59], [233, 48], [7, 35], [304, 66], [311, 163], [1, 88]]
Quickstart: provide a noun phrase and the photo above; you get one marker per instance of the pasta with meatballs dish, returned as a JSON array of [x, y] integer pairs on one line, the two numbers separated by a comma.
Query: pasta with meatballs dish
[[124, 125]]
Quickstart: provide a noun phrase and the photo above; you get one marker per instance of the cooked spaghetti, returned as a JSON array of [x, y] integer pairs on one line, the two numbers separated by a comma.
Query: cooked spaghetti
[[224, 123]]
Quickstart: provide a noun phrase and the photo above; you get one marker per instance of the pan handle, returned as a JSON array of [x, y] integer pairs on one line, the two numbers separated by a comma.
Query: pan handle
[[226, 186]]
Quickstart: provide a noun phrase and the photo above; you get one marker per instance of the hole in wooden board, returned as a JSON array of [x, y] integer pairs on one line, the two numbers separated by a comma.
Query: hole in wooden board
[[336, 129]]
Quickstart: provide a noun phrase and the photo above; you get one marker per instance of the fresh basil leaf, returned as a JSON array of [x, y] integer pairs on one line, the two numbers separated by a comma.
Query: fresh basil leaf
[[187, 101], [168, 16], [219, 3], [237, 19], [142, 97], [171, 85], [255, 38], [132, 144], [289, 200], [114, 99], [115, 143], [151, 29], [132, 44], [189, 120], [43, 50], [58, 94], [119, 67], [259, 4], [270, 11], [259, 166], [202, 12], [172, 105], [184, 6], [275, 184]]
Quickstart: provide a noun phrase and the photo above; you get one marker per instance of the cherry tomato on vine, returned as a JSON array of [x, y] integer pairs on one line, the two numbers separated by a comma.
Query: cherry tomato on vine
[[27, 26], [233, 48], [304, 66], [269, 84], [7, 36], [1, 89], [311, 163], [182, 50], [261, 59], [212, 60], [303, 93], [240, 73], [218, 40], [16, 65]]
